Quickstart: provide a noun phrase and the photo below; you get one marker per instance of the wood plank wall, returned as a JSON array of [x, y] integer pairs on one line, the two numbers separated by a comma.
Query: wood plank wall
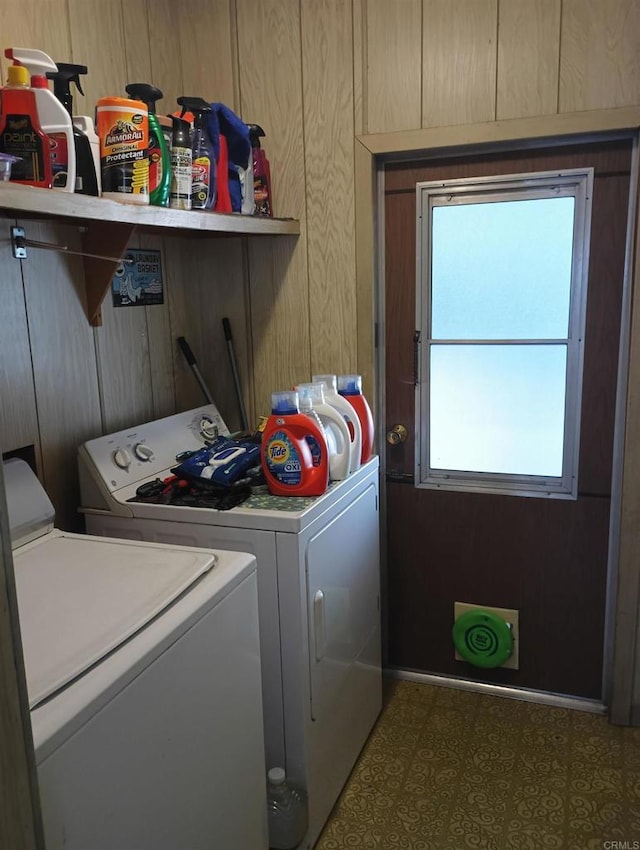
[[313, 73]]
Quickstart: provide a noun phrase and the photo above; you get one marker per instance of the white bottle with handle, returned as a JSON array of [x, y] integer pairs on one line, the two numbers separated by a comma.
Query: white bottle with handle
[[346, 410], [54, 118], [335, 428]]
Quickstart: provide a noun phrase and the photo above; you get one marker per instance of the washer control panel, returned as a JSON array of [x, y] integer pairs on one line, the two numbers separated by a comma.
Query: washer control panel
[[144, 451]]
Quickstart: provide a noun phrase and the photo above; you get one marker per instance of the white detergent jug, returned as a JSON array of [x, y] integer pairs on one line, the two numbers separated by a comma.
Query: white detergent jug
[[335, 428], [346, 410]]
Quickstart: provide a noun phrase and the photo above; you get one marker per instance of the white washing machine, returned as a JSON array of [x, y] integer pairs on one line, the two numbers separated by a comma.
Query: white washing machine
[[318, 591], [143, 674]]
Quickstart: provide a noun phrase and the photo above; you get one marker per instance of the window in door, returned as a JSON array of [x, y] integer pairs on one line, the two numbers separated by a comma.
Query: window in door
[[501, 298]]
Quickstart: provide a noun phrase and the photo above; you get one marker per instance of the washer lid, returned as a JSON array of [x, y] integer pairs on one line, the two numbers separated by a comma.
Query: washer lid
[[80, 597]]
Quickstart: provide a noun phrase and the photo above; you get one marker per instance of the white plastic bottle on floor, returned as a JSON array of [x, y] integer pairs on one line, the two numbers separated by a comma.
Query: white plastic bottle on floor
[[335, 428], [287, 810], [332, 397]]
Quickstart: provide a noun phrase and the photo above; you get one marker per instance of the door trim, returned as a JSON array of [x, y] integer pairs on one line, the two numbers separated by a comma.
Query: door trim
[[371, 154]]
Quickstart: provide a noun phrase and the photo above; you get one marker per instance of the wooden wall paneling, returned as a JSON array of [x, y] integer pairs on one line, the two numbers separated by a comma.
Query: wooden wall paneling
[[160, 342], [124, 370], [166, 52], [599, 54], [98, 41], [271, 95], [365, 268], [394, 58], [18, 414], [528, 57], [135, 19], [20, 823], [43, 24], [359, 65], [459, 61], [206, 37], [222, 291], [214, 286], [64, 363], [178, 254], [327, 72]]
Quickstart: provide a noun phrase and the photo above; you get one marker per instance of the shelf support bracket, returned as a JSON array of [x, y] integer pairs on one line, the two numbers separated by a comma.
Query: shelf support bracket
[[99, 238]]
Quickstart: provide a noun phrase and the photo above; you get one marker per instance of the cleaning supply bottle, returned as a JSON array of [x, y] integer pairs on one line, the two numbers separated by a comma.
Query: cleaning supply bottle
[[305, 402], [287, 810], [53, 117], [159, 164], [85, 124], [261, 173], [287, 462], [181, 165], [86, 175], [348, 413], [203, 190], [334, 425], [20, 132], [123, 130], [350, 388]]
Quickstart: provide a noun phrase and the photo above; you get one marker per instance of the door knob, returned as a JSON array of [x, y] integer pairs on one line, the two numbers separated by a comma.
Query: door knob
[[398, 434]]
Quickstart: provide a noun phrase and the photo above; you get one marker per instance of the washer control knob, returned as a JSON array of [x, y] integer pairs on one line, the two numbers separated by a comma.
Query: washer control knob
[[122, 458], [143, 452], [208, 428]]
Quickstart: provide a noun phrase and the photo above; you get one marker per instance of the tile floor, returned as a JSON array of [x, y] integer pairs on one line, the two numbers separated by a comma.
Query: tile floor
[[451, 769]]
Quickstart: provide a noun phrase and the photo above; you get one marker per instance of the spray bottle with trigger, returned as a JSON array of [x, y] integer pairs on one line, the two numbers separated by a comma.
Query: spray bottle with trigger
[[86, 178], [159, 162], [54, 118], [203, 190], [261, 173]]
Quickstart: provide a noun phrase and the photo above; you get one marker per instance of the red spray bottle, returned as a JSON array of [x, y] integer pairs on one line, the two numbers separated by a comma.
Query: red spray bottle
[[261, 173]]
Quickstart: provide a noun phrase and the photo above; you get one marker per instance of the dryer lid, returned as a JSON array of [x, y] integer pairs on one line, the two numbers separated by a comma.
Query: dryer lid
[[81, 597]]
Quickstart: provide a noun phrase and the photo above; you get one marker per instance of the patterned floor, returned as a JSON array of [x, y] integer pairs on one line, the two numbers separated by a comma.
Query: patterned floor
[[448, 769]]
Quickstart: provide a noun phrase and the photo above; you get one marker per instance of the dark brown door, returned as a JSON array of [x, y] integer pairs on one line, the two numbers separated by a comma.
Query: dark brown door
[[546, 558]]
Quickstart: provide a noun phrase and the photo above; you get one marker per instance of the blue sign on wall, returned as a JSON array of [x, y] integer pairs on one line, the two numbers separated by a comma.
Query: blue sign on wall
[[138, 280]]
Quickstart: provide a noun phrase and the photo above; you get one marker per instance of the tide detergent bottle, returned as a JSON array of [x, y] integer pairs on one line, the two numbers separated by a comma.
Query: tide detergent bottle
[[287, 461], [350, 388], [334, 425], [54, 118], [348, 413]]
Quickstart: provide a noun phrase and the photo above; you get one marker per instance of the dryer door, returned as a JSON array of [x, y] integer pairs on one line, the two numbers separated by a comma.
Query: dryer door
[[343, 581]]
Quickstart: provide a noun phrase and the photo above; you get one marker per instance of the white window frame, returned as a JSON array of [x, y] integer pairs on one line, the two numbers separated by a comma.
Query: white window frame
[[577, 183]]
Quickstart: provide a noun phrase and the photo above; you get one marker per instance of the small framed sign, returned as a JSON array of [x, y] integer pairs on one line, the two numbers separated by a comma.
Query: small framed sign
[[138, 279]]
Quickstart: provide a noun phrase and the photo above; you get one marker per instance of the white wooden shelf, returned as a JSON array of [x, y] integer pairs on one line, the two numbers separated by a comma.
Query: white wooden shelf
[[108, 227]]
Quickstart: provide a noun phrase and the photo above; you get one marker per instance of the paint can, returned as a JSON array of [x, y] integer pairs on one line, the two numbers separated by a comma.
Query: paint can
[[123, 130]]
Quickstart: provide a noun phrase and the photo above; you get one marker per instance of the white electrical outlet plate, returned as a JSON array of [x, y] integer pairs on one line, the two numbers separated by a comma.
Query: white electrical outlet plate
[[508, 614]]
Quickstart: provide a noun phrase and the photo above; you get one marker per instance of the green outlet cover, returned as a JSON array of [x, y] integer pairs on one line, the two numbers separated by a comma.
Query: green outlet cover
[[483, 638]]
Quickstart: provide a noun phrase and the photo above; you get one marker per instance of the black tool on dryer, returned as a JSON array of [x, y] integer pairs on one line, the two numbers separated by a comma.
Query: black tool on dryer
[[226, 326], [191, 361]]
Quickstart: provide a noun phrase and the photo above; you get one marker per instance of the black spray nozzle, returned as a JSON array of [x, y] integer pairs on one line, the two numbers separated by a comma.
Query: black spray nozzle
[[181, 131], [196, 105], [255, 131], [146, 93], [66, 74]]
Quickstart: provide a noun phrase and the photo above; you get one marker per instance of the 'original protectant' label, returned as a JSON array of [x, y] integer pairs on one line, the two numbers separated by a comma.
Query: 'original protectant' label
[[283, 460], [124, 155]]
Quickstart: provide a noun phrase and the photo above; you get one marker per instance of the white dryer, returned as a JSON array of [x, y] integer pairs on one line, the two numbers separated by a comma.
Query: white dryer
[[318, 590], [143, 674]]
